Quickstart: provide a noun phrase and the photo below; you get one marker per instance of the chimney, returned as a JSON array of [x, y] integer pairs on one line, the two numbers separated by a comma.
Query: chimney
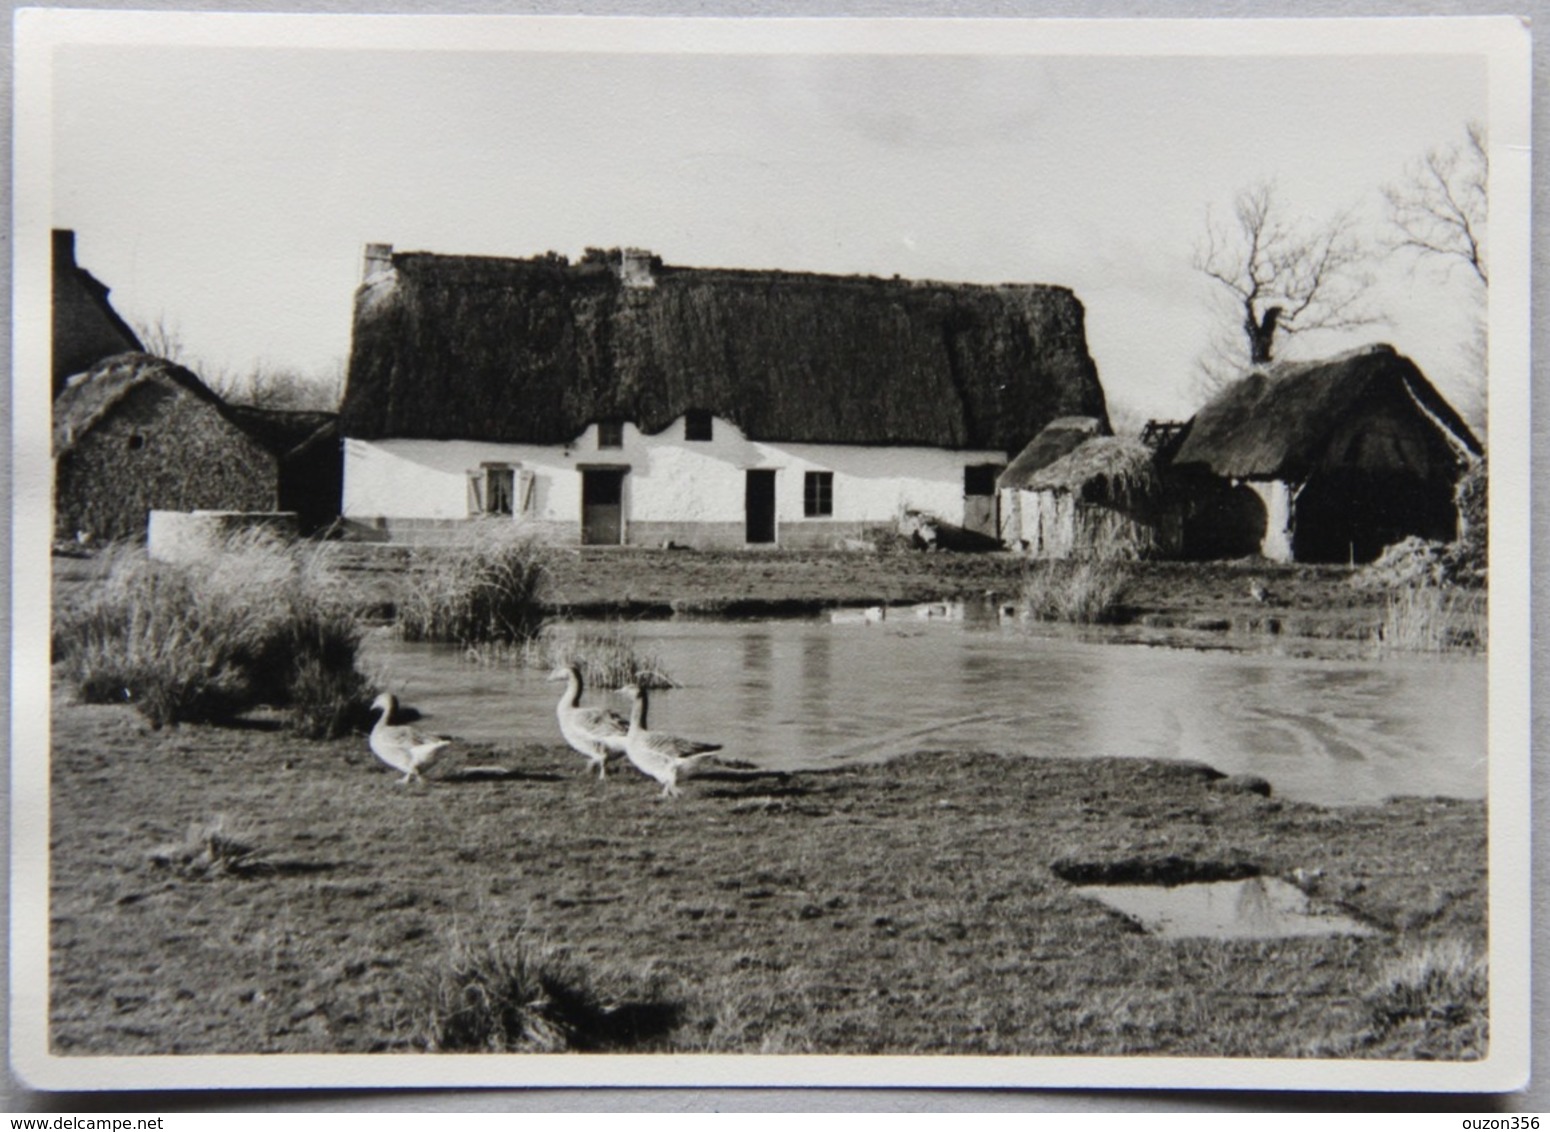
[[379, 261], [636, 267], [64, 248]]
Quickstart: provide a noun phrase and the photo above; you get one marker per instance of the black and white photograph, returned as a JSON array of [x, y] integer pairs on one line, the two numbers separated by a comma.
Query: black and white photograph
[[654, 551]]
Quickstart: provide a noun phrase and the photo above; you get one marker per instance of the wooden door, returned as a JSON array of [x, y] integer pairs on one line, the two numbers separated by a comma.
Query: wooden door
[[602, 507], [759, 500]]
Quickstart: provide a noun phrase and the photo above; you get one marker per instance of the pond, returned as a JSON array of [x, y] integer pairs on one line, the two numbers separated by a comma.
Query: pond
[[796, 694]]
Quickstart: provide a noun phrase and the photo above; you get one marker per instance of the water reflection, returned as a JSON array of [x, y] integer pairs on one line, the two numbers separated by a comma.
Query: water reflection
[[1257, 908], [795, 694]]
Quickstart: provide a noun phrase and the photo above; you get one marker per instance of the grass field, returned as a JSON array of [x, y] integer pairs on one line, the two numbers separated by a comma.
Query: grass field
[[907, 907]]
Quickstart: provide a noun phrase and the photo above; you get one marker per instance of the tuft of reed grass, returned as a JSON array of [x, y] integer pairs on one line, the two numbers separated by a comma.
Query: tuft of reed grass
[[1433, 618], [609, 657], [1436, 991], [209, 850], [253, 621], [485, 591], [518, 996], [1084, 592]]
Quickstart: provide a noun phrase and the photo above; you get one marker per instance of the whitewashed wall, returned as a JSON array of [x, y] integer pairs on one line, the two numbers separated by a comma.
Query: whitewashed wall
[[671, 480]]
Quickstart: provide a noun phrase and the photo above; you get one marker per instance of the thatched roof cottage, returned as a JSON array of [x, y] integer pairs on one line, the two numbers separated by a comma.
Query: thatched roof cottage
[[1102, 497], [86, 328], [1343, 457], [621, 400], [136, 433]]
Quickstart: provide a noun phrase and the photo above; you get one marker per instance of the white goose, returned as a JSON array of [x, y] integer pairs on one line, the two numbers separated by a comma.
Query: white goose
[[402, 747], [659, 756], [596, 733]]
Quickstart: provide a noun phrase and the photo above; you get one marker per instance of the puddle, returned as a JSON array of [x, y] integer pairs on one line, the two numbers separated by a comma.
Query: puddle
[[1256, 908]]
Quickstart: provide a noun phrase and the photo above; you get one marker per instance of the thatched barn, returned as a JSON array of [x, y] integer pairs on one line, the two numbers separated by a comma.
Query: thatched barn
[[1326, 461], [1104, 499], [621, 400], [86, 328], [136, 433]]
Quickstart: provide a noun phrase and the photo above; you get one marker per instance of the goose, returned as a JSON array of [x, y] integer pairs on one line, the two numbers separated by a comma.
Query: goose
[[659, 756], [595, 733], [399, 746]]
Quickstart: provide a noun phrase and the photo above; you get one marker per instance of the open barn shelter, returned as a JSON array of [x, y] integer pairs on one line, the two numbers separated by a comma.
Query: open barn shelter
[[1326, 461], [619, 400]]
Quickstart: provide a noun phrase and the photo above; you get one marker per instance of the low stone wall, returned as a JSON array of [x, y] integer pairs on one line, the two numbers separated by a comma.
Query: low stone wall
[[824, 534], [456, 532], [188, 536]]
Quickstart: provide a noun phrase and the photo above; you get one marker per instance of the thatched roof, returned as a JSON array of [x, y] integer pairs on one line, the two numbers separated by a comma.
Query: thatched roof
[[282, 431], [1112, 470], [1277, 423], [535, 350], [1055, 440], [90, 396]]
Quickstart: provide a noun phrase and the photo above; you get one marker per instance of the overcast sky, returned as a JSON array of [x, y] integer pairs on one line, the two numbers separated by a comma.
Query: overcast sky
[[228, 191]]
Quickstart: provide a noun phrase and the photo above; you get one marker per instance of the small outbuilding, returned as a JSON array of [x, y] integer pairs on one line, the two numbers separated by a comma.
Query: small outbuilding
[[1327, 461], [136, 433], [1103, 499]]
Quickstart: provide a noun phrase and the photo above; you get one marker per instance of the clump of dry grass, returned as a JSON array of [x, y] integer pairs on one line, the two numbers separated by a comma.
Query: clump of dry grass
[[253, 621], [609, 657], [1084, 592], [210, 850], [485, 591], [1435, 993], [1433, 619], [518, 996]]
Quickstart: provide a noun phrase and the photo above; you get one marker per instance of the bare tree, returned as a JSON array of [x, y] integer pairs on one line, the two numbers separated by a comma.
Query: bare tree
[[1438, 213], [161, 338], [1283, 274], [281, 387], [1439, 210]]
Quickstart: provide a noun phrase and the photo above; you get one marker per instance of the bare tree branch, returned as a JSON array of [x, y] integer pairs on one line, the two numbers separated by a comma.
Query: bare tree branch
[[1284, 274], [161, 338], [1439, 210]]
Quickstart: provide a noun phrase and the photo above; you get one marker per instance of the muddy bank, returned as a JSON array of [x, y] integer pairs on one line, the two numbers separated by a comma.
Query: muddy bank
[[1204, 599], [913, 906]]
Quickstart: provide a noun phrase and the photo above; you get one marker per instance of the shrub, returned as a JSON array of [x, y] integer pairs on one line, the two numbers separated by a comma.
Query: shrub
[[1084, 592], [1467, 556], [253, 622], [486, 591]]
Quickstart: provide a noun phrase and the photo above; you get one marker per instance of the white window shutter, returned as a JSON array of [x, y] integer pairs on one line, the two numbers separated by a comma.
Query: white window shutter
[[476, 491]]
